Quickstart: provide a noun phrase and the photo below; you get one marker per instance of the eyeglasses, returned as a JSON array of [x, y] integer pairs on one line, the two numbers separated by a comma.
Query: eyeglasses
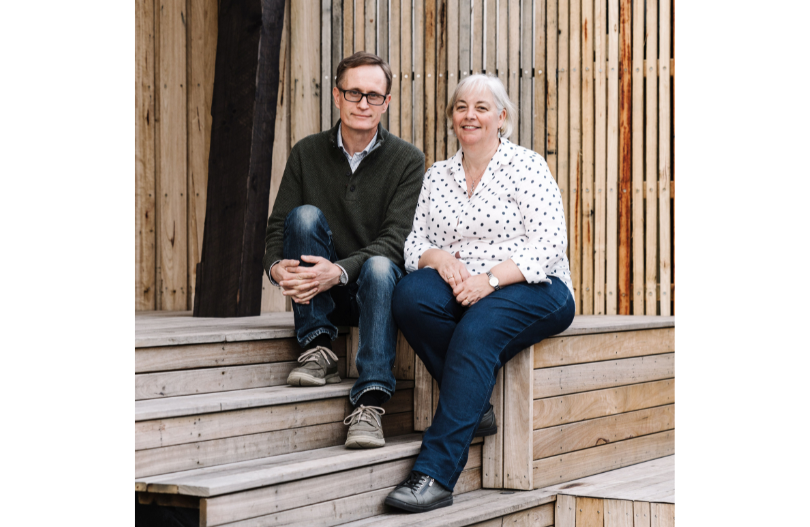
[[374, 99]]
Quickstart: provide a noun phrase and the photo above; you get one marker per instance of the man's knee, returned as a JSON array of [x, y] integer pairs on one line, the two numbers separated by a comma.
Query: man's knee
[[378, 269], [305, 218]]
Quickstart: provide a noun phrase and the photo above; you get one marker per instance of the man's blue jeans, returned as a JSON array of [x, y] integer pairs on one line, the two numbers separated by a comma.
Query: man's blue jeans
[[464, 347], [366, 303]]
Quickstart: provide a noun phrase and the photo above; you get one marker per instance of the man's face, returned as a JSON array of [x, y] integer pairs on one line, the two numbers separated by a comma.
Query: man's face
[[361, 116]]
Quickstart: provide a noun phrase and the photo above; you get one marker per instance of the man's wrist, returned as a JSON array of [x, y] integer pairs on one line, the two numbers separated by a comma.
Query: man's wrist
[[343, 277], [270, 274]]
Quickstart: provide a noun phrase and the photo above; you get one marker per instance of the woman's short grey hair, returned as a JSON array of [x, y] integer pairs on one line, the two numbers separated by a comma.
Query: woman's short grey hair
[[496, 88]]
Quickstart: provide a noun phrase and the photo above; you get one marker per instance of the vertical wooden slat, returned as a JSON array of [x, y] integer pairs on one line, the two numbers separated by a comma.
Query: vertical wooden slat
[[625, 152], [144, 155], [422, 396], [404, 361], [477, 30], [406, 54], [517, 421], [306, 68], [348, 27], [590, 511], [562, 98], [272, 299], [370, 26], [664, 137], [441, 80], [490, 36], [618, 513], [600, 149], [383, 44], [326, 64], [638, 158], [352, 345], [172, 161], [588, 225], [565, 514], [575, 153], [641, 509], [429, 137], [612, 159], [514, 61], [503, 44], [337, 54], [492, 452], [551, 87], [419, 74], [464, 29], [396, 99], [526, 75], [452, 64], [539, 109], [662, 514], [359, 25], [651, 161]]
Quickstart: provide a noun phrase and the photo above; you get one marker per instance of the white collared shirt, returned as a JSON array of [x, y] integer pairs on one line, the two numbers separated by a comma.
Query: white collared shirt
[[515, 212], [354, 161]]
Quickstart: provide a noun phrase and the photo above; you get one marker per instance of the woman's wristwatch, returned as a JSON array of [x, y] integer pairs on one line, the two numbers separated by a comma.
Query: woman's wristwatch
[[493, 281]]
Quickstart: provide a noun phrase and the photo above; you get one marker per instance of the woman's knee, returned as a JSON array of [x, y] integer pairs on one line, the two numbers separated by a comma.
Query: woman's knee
[[422, 291]]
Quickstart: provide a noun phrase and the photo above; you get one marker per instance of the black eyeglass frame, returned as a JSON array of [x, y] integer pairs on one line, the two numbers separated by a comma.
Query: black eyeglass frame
[[366, 95]]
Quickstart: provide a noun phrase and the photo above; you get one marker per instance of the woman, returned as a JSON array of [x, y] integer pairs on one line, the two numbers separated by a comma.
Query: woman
[[488, 277]]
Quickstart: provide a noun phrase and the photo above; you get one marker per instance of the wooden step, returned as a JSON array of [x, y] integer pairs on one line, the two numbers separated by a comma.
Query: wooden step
[[181, 328]]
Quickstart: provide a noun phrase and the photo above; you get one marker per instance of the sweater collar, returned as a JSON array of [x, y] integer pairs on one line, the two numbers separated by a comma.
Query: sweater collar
[[382, 135]]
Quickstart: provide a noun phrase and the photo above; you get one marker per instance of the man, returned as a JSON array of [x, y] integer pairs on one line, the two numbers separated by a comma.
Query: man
[[335, 240]]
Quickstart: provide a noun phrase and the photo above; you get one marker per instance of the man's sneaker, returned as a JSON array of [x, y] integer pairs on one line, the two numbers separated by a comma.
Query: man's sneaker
[[365, 427], [487, 426], [419, 493], [319, 367]]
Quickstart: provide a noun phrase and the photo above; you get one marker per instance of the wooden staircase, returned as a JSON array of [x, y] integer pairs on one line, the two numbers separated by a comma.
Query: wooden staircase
[[220, 440]]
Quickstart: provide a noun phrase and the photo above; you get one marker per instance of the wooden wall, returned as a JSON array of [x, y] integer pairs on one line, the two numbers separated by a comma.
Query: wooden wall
[[603, 121]]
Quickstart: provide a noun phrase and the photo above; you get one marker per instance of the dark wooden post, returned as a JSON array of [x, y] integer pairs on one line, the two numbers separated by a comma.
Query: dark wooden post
[[229, 275]]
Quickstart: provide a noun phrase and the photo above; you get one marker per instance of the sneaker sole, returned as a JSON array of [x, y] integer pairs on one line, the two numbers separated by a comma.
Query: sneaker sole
[[364, 442], [446, 502], [298, 378]]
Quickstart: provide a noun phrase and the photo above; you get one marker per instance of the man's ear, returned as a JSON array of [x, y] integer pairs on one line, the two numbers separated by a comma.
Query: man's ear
[[336, 96]]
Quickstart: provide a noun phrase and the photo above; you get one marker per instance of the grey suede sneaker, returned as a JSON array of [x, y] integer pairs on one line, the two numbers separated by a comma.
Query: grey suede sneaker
[[319, 367], [365, 427], [419, 493]]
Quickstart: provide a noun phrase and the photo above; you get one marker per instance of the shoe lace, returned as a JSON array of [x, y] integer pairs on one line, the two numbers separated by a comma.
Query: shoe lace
[[318, 351], [416, 480], [371, 414]]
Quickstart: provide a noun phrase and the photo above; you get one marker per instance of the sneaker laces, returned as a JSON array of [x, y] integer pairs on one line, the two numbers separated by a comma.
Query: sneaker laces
[[371, 414], [318, 351], [415, 481]]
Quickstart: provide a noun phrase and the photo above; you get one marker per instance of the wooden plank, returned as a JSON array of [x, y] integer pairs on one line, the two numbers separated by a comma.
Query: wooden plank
[[503, 47], [588, 211], [464, 37], [495, 522], [383, 45], [305, 117], [352, 343], [571, 408], [370, 26], [539, 107], [477, 34], [348, 27], [542, 516], [565, 514], [403, 363], [618, 513], [422, 396], [612, 210], [490, 36], [419, 74], [359, 25], [526, 95], [594, 432], [641, 514], [272, 299], [651, 162], [589, 511], [600, 158], [615, 483], [406, 61], [567, 467], [664, 163], [637, 137], [562, 98], [144, 155], [337, 53], [574, 216], [326, 64], [394, 111], [549, 382], [452, 64], [605, 346], [551, 86], [492, 464], [513, 37], [624, 191], [662, 514], [441, 81], [517, 421], [429, 115], [172, 234]]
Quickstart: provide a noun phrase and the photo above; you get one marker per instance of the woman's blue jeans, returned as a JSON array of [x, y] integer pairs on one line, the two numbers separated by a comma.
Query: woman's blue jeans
[[464, 347], [365, 303]]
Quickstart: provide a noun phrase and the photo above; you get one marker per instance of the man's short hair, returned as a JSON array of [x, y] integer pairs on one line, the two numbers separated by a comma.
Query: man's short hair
[[364, 58]]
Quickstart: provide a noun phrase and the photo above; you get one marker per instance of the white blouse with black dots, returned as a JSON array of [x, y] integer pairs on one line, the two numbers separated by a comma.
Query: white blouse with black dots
[[515, 212]]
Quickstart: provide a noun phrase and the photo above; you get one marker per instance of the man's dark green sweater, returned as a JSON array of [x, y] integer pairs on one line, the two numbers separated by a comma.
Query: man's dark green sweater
[[370, 211]]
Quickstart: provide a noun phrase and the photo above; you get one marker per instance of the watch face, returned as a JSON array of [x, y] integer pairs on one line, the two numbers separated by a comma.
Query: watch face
[[493, 281]]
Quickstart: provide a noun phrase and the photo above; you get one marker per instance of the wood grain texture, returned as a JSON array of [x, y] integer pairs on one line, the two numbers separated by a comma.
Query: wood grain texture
[[517, 421], [525, 67], [562, 98], [406, 64], [477, 34], [539, 106], [542, 516], [430, 114], [145, 94], [588, 405], [370, 26], [664, 163], [383, 44], [490, 28], [618, 513], [637, 136], [464, 38], [396, 71], [550, 382], [600, 153], [590, 511], [326, 65], [662, 515], [651, 162], [337, 52], [492, 464], [588, 189], [306, 88], [440, 124], [503, 43], [565, 513], [404, 361], [594, 432], [513, 39], [641, 514], [559, 351], [352, 344], [422, 396], [552, 107], [359, 25], [567, 467], [348, 27], [452, 64], [624, 189], [612, 189], [574, 213]]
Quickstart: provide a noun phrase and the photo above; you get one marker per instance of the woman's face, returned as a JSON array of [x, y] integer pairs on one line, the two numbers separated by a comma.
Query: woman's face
[[476, 119]]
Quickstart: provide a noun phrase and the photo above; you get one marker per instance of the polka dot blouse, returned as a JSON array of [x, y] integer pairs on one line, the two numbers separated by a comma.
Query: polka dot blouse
[[515, 212]]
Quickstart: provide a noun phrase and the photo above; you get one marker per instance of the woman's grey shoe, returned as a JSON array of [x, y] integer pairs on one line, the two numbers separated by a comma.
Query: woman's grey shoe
[[318, 367], [487, 426], [419, 493], [365, 427]]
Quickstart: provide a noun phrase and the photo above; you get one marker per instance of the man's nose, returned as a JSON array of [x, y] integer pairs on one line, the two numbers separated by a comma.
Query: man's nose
[[363, 102]]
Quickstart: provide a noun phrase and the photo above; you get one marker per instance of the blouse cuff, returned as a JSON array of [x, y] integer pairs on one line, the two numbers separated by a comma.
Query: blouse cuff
[[531, 267]]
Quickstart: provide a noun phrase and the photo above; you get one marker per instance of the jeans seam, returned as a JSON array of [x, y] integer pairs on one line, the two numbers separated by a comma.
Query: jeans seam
[[368, 389], [313, 334]]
